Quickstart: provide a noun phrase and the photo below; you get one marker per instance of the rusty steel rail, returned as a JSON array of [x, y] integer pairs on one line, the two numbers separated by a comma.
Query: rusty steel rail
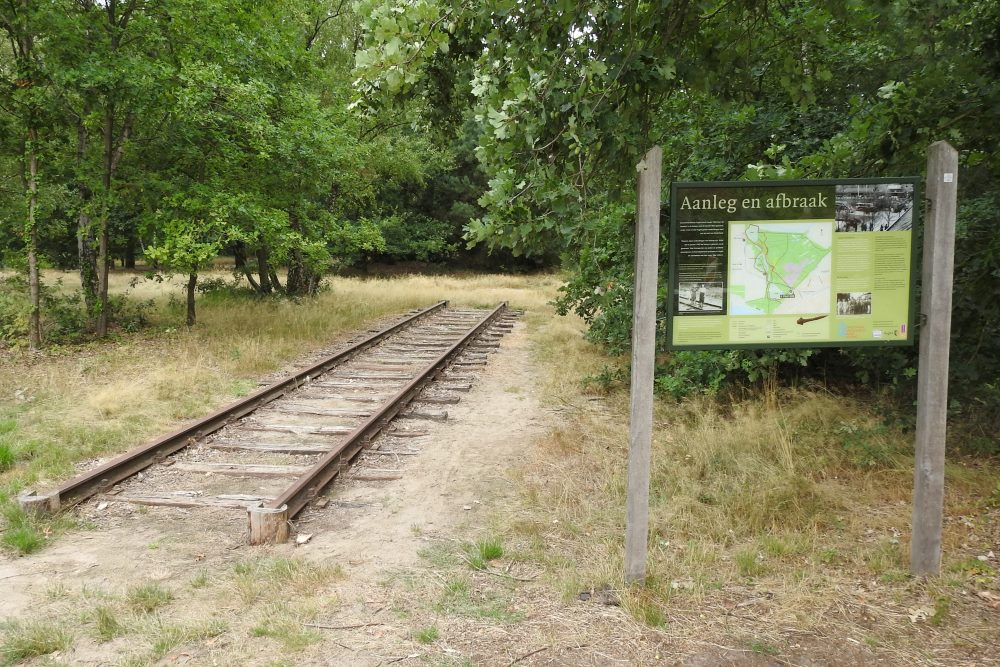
[[121, 467], [269, 522]]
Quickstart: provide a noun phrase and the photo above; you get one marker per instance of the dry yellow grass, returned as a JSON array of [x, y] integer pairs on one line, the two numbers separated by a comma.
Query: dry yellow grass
[[789, 512]]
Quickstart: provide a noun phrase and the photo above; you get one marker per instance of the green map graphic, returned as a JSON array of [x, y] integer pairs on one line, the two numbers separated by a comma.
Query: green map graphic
[[780, 268]]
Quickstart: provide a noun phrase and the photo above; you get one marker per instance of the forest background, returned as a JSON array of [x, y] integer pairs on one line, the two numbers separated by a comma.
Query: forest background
[[300, 137]]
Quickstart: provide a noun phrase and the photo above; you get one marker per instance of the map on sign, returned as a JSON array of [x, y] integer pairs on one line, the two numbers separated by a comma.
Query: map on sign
[[780, 268]]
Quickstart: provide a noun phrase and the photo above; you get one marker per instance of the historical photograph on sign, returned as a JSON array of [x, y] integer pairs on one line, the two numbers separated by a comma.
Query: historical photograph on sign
[[875, 207], [700, 297], [854, 303], [701, 268]]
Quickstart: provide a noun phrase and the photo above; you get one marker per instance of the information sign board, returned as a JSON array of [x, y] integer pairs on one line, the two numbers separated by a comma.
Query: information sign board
[[822, 263]]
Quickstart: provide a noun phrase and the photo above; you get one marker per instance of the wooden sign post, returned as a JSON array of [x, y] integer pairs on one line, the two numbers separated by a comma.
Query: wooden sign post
[[932, 370], [647, 246]]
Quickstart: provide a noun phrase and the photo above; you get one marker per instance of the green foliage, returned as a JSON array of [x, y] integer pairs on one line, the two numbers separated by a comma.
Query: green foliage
[[600, 288], [419, 237], [64, 319], [868, 446], [567, 101], [688, 373]]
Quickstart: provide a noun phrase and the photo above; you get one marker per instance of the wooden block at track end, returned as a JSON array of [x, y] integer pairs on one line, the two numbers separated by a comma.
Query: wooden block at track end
[[38, 504], [268, 526]]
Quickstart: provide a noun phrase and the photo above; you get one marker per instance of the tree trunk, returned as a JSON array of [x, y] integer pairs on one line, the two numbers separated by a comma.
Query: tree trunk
[[263, 270], [84, 230], [240, 257], [24, 43], [103, 261], [128, 261], [297, 283], [192, 283], [35, 318], [113, 147]]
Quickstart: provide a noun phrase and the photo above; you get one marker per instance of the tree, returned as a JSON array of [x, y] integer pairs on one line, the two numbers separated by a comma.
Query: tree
[[25, 23], [568, 95]]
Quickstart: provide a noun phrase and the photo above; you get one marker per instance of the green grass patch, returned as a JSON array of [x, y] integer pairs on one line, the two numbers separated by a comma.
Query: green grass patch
[[24, 640], [282, 624], [147, 598], [427, 635], [7, 456], [460, 598], [170, 636], [257, 577], [106, 624], [749, 564], [645, 606], [24, 533], [199, 580], [480, 553], [762, 647], [972, 566]]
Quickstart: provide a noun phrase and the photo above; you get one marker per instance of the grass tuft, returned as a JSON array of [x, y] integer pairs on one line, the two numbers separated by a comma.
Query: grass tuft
[[147, 598], [106, 624], [257, 577], [7, 456], [427, 635], [281, 623], [481, 552], [24, 640], [762, 647], [170, 636], [23, 535]]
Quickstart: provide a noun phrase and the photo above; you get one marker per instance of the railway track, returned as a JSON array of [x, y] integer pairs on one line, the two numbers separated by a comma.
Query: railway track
[[275, 451]]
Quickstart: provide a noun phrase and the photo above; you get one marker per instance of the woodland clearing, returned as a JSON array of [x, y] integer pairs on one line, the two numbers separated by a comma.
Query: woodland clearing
[[779, 531]]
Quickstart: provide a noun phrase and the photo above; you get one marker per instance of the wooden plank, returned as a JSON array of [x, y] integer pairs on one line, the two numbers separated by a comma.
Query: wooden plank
[[407, 433], [647, 245], [185, 500], [386, 365], [374, 478], [932, 369], [433, 415], [408, 347], [296, 429], [244, 470], [291, 408], [440, 400], [364, 385], [281, 447], [358, 412]]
